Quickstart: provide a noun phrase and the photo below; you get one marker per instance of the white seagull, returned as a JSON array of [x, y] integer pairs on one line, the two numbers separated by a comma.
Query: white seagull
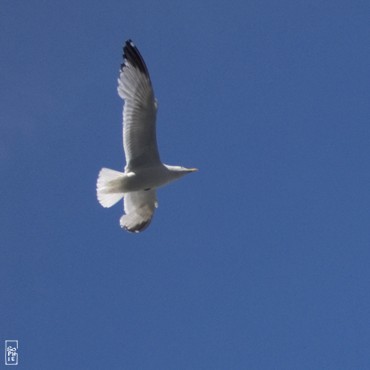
[[144, 171]]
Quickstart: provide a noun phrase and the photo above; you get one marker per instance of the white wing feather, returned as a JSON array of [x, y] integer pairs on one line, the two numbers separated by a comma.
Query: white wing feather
[[139, 208], [139, 112]]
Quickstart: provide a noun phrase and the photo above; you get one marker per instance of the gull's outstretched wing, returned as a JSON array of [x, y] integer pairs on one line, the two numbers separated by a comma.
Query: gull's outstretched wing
[[140, 109], [139, 208]]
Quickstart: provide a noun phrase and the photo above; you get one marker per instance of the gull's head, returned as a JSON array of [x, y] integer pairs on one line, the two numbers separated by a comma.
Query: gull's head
[[179, 171], [188, 170]]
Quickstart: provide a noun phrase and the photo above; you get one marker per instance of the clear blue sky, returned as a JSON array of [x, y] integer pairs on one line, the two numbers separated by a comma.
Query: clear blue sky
[[260, 260]]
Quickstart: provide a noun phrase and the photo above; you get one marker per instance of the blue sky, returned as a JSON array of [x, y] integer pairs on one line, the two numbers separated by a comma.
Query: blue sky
[[258, 261]]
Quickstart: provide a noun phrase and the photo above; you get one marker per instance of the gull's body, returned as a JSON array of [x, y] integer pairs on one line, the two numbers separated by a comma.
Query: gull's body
[[144, 171]]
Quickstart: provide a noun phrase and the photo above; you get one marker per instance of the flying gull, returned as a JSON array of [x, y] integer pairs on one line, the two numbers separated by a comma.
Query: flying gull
[[144, 171]]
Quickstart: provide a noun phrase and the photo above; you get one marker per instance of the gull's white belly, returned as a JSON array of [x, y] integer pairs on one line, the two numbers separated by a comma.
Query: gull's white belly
[[145, 178]]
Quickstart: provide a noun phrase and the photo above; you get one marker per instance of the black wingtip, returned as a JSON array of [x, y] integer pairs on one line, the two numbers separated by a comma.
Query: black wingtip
[[132, 56]]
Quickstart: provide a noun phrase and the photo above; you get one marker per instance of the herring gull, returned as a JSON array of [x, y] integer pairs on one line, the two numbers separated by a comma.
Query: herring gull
[[144, 171]]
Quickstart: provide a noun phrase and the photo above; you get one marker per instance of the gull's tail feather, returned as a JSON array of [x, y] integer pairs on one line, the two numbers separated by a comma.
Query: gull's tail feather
[[108, 187]]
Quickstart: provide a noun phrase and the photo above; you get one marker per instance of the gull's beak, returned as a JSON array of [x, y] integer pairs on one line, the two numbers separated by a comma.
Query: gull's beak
[[193, 169]]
